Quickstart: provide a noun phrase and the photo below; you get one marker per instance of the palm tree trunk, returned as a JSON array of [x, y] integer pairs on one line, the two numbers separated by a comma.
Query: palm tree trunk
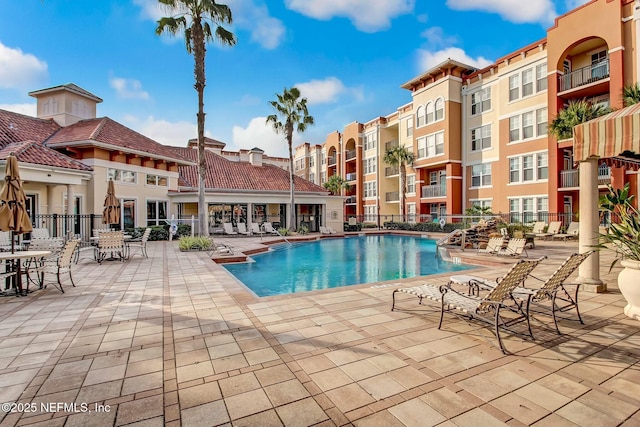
[[292, 209], [403, 189], [199, 55]]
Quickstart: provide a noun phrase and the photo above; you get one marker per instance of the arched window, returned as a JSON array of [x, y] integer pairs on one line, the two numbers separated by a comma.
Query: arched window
[[430, 112], [439, 109], [420, 116]]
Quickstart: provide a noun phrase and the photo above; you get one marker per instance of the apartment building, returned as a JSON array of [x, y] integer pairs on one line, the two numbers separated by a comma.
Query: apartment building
[[480, 136]]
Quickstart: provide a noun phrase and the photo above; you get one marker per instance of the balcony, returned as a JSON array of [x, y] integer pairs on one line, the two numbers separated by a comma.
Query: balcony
[[351, 200], [351, 176], [389, 145], [430, 191], [391, 171], [350, 155], [584, 76], [571, 178], [393, 196], [331, 161]]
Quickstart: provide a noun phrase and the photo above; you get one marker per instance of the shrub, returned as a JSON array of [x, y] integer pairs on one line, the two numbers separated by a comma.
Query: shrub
[[186, 243], [283, 231], [303, 230]]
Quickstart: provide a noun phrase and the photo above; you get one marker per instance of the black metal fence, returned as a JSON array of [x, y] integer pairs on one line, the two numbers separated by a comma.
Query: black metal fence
[[463, 220], [59, 225]]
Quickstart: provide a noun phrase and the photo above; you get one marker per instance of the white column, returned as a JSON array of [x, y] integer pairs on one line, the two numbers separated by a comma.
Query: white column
[[589, 270], [636, 19], [70, 206]]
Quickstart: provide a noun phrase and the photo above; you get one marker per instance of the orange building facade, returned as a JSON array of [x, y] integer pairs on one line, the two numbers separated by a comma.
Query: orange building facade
[[480, 137]]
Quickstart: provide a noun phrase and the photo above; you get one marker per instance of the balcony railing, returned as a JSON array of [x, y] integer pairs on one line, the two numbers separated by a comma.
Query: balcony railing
[[351, 176], [389, 145], [571, 178], [584, 76], [350, 155], [392, 196], [390, 171], [331, 161], [351, 200], [434, 191]]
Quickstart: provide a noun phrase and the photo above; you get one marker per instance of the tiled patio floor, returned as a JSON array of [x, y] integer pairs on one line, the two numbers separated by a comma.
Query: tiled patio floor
[[173, 340]]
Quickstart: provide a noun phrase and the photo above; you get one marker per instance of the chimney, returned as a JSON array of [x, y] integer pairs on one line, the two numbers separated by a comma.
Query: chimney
[[255, 156], [209, 145]]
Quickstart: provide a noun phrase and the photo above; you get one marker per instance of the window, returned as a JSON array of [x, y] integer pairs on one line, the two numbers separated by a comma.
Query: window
[[514, 87], [439, 109], [541, 77], [435, 144], [370, 141], [411, 212], [514, 169], [527, 125], [481, 138], [422, 147], [370, 213], [370, 189], [514, 211], [542, 166], [527, 168], [128, 217], [514, 128], [482, 204], [157, 180], [430, 113], [527, 82], [410, 126], [312, 177], [323, 158], [312, 160], [599, 66], [542, 208], [156, 212], [481, 175], [369, 165], [481, 101], [541, 121], [420, 116], [118, 175], [528, 209], [323, 177], [411, 184]]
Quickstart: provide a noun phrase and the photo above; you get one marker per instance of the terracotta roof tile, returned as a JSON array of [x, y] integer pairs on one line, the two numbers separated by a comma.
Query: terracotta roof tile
[[228, 175], [16, 127], [37, 154], [107, 131]]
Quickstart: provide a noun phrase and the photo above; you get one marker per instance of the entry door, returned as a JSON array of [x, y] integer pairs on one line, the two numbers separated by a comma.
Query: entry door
[[568, 210]]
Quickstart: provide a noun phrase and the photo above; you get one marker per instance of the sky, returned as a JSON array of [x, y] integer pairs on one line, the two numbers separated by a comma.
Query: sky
[[347, 57]]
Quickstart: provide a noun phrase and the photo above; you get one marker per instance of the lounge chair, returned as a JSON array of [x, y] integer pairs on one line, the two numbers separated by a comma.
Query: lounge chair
[[493, 245], [552, 289], [324, 230], [220, 248], [255, 228], [332, 230], [572, 232], [487, 308], [538, 228], [268, 228], [554, 228], [242, 228], [228, 228], [514, 248]]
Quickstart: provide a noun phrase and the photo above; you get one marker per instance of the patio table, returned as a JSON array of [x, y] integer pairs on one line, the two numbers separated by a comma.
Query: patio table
[[15, 264]]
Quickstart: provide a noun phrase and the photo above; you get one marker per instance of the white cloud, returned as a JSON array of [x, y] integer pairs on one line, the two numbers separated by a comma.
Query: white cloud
[[259, 134], [163, 131], [321, 91], [366, 15], [128, 88], [436, 38], [530, 11], [26, 109], [151, 9], [572, 4], [429, 59], [20, 70]]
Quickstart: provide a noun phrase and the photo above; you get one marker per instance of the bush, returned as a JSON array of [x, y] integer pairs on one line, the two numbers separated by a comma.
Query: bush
[[425, 227], [158, 232], [201, 243], [303, 230]]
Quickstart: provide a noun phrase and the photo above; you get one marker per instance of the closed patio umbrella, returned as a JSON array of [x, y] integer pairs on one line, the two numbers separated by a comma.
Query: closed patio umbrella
[[13, 211], [111, 213]]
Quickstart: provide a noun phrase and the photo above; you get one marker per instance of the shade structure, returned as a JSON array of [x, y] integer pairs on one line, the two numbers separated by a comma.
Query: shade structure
[[13, 208], [111, 213]]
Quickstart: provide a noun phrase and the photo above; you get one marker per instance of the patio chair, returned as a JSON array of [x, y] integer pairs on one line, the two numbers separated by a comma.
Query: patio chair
[[493, 245], [228, 228], [40, 233], [514, 248], [139, 243], [53, 244], [552, 289], [268, 228], [490, 308], [572, 232], [111, 243], [5, 241], [58, 265], [242, 229]]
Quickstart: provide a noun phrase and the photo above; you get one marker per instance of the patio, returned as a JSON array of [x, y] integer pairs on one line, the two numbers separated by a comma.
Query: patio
[[174, 340]]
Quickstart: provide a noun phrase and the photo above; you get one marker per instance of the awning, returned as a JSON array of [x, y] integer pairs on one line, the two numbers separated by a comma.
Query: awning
[[612, 136]]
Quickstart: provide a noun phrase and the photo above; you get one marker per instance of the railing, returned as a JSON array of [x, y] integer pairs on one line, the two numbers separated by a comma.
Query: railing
[[59, 225], [466, 221], [390, 171], [392, 196], [351, 200], [571, 178], [434, 191], [352, 176], [351, 154], [390, 144], [331, 161], [585, 75]]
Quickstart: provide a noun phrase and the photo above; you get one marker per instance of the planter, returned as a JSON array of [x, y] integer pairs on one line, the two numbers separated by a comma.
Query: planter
[[629, 285]]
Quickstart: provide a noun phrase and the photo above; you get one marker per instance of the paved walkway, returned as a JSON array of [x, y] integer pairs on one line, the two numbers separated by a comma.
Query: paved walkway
[[173, 340]]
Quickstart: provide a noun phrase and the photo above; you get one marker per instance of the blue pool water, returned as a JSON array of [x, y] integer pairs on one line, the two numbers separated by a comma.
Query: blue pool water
[[331, 263]]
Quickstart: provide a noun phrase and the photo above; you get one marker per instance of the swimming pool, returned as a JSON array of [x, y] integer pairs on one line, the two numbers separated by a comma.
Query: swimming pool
[[332, 263]]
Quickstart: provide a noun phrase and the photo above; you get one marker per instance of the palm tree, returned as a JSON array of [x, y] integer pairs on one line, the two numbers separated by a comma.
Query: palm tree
[[336, 184], [631, 94], [400, 156], [291, 109], [193, 18], [575, 113]]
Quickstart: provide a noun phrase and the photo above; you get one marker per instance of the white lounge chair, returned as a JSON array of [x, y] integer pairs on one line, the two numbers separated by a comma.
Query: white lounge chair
[[514, 248], [493, 245], [228, 228], [268, 228], [324, 230], [255, 228], [554, 228], [572, 232], [242, 228]]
